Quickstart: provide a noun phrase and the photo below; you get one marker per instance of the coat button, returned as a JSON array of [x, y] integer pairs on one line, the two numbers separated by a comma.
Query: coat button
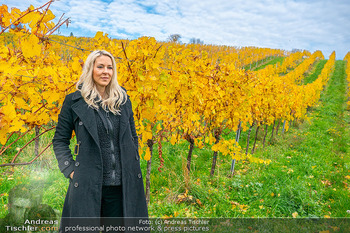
[[76, 184], [139, 175], [80, 123], [77, 164], [66, 163]]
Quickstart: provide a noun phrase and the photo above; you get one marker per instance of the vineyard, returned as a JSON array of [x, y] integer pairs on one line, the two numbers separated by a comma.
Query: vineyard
[[215, 123]]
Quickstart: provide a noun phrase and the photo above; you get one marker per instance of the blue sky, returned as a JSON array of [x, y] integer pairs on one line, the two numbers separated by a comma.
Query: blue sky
[[285, 24]]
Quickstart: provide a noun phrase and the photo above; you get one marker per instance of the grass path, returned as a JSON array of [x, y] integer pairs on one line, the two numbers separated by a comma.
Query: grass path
[[263, 63], [310, 172], [316, 71], [270, 62]]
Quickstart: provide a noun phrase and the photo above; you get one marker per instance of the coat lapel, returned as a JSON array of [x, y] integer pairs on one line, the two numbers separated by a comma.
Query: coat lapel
[[123, 120], [86, 115]]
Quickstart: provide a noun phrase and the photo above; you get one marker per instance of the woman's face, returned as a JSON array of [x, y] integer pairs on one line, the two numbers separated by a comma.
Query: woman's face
[[103, 71]]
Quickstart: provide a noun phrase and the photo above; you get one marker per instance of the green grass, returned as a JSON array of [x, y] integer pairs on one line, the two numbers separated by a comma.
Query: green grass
[[263, 63], [274, 61], [315, 72], [308, 174], [42, 176]]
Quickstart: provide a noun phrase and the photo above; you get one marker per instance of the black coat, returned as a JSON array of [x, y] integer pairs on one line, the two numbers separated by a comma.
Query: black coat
[[83, 197]]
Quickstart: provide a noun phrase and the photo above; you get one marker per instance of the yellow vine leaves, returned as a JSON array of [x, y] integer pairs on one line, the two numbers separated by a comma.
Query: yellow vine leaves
[[178, 91]]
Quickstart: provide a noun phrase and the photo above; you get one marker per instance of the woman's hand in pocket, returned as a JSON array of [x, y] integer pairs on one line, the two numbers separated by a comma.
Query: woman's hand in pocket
[[71, 175]]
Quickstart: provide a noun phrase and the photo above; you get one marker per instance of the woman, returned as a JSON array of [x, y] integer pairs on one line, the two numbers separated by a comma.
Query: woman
[[105, 177]]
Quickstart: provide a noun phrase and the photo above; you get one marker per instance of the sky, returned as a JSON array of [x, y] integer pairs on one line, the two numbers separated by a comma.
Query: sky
[[282, 24]]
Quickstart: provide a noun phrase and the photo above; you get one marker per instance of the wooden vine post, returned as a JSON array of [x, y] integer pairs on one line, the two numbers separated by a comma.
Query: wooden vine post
[[150, 144], [238, 134], [217, 133]]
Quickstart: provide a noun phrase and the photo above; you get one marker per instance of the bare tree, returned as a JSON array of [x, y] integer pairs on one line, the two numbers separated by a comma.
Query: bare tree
[[174, 38], [196, 41]]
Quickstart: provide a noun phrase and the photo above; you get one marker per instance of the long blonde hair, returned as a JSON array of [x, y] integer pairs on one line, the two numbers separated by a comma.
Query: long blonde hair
[[116, 96]]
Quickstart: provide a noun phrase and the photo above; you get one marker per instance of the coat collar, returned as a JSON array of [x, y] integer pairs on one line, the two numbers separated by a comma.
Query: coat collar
[[77, 95]]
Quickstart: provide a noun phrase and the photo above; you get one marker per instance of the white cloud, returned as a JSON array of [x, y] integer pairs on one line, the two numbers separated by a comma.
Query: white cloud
[[302, 24]]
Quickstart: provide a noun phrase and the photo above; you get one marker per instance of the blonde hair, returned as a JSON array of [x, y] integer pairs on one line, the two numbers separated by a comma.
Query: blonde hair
[[115, 95]]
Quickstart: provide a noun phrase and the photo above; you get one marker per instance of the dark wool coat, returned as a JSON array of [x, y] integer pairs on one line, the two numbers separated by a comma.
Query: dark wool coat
[[83, 197]]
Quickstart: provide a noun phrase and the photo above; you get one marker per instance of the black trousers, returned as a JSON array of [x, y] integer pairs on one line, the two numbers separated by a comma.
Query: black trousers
[[112, 208], [112, 201]]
